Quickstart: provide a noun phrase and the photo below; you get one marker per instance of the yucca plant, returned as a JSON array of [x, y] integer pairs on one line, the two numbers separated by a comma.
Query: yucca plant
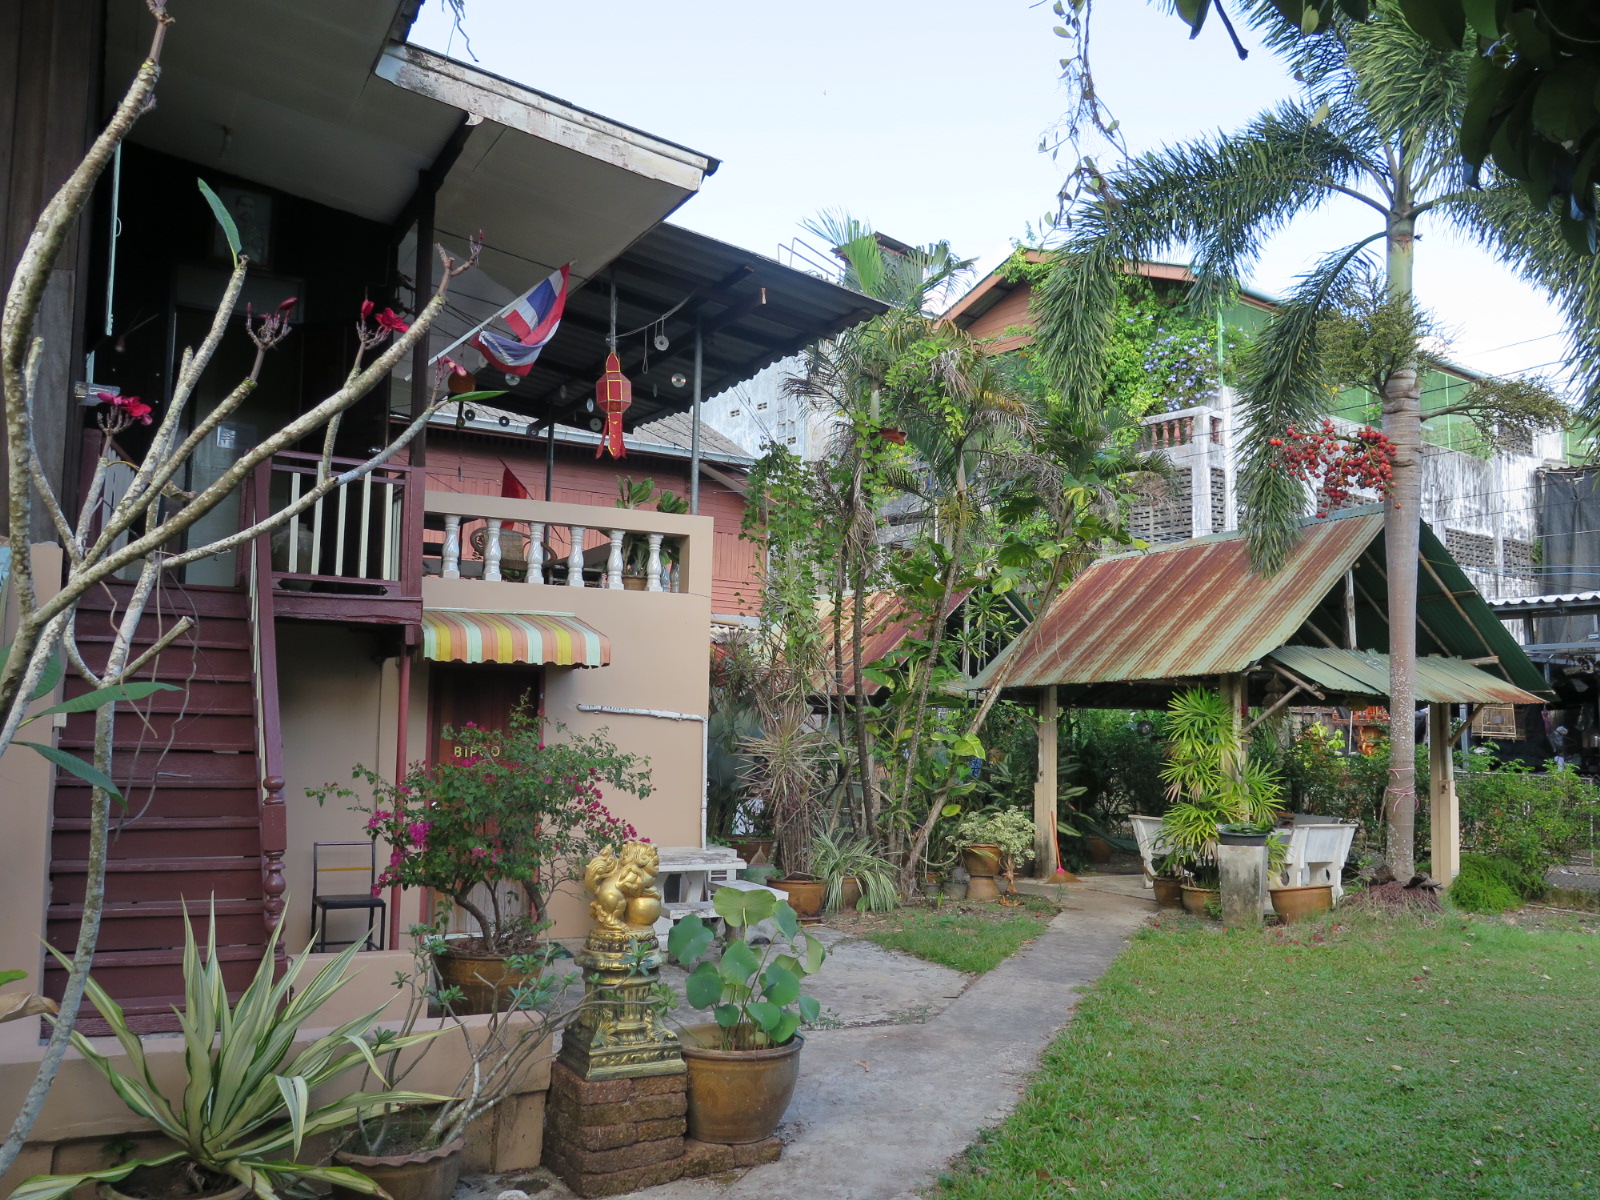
[[245, 1112]]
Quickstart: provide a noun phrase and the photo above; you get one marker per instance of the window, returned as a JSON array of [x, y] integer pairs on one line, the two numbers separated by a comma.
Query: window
[[791, 441], [762, 407], [734, 412]]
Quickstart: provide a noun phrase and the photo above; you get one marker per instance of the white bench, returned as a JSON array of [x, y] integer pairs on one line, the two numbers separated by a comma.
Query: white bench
[[1317, 851], [686, 877]]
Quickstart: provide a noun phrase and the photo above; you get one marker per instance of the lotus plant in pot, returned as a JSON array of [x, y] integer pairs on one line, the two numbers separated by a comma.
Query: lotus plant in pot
[[414, 1152], [1211, 783], [495, 830], [744, 1063], [994, 842], [239, 1120]]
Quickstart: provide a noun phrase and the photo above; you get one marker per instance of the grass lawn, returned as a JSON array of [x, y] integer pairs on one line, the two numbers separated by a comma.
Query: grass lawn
[[1374, 1058], [973, 936]]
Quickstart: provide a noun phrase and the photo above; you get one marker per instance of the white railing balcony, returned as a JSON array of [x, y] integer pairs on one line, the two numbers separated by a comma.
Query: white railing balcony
[[1163, 431], [551, 544]]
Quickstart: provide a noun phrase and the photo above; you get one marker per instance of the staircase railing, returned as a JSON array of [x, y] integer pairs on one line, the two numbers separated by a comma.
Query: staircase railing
[[269, 734]]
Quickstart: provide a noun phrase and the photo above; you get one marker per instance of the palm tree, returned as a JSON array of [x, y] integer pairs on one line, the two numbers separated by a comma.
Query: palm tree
[[1376, 123]]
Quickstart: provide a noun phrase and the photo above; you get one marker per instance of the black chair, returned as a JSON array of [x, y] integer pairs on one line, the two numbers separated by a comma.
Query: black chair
[[323, 904]]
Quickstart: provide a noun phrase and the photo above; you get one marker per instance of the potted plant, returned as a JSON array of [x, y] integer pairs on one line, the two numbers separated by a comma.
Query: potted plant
[[1211, 783], [635, 546], [743, 1065], [853, 876], [496, 829], [414, 1152], [993, 841], [784, 768], [239, 1121]]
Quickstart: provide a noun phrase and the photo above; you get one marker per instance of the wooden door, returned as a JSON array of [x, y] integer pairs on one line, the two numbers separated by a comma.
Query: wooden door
[[484, 694]]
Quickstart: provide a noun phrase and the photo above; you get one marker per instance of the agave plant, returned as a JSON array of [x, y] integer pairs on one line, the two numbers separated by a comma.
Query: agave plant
[[245, 1110]]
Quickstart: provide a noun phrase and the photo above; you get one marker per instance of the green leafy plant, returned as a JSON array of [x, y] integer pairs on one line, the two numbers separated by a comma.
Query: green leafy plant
[[508, 811], [754, 996], [1009, 828], [1211, 782], [245, 1109], [837, 855], [1532, 820], [1486, 884], [636, 547]]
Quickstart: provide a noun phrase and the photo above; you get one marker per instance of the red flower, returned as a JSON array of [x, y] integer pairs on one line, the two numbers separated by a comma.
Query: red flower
[[133, 407], [366, 309], [387, 320]]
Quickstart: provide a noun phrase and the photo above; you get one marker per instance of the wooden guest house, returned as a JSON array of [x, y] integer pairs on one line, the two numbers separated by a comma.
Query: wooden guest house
[[427, 594]]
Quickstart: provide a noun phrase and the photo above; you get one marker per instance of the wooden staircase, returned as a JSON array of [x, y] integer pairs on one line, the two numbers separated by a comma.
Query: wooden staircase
[[188, 765]]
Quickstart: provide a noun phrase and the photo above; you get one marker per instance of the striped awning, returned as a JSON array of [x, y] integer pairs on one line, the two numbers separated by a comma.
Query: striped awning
[[560, 639]]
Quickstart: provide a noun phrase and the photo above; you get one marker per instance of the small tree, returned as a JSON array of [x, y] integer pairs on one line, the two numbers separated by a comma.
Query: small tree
[[509, 812]]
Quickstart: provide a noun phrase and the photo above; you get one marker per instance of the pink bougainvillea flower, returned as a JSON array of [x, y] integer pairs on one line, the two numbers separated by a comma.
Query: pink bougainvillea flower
[[418, 831], [387, 320]]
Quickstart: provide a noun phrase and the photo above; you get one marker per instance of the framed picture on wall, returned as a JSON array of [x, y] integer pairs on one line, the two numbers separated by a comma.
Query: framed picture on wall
[[252, 213]]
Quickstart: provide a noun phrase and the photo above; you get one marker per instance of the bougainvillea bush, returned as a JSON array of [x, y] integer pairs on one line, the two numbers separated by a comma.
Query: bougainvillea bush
[[501, 825]]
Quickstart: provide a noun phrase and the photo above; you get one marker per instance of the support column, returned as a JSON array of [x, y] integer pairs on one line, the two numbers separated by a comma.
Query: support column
[[1444, 812], [1046, 855], [1242, 880]]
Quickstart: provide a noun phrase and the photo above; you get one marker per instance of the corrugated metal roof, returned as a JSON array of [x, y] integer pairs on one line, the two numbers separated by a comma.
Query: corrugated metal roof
[[1366, 673], [1555, 603], [1196, 608], [886, 621], [1185, 609]]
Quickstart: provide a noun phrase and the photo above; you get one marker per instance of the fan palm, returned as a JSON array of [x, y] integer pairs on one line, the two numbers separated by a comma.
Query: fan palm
[[1376, 123]]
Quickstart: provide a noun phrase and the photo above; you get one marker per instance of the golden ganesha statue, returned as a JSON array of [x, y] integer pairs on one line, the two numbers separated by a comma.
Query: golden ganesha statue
[[623, 885]]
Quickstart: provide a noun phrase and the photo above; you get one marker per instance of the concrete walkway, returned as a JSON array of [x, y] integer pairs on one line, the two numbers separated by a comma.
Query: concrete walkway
[[881, 1110]]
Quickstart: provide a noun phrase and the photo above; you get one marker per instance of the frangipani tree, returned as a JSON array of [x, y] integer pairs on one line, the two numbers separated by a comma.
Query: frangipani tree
[[135, 534], [1376, 123]]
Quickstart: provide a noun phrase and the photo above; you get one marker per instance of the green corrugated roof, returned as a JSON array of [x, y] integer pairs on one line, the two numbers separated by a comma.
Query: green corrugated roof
[[1366, 673]]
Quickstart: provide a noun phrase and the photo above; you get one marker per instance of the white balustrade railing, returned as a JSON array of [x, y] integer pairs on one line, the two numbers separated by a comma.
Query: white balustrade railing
[[501, 549], [354, 532]]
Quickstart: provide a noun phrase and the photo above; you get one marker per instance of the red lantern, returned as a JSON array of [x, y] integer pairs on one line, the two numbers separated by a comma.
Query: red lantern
[[613, 394]]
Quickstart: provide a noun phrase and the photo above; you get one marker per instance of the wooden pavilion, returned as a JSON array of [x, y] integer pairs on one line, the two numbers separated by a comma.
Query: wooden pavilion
[[1135, 628]]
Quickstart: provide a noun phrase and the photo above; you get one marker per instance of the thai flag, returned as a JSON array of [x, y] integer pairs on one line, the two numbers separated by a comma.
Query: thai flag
[[534, 319]]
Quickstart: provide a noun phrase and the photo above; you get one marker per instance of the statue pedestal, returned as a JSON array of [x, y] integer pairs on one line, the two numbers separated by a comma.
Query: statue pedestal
[[619, 1034]]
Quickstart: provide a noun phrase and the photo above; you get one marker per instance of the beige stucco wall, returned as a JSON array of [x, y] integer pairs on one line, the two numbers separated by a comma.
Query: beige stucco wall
[[26, 781]]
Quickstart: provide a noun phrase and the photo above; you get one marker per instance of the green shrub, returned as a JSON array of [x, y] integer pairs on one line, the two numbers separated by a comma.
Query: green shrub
[[1485, 885], [1534, 820]]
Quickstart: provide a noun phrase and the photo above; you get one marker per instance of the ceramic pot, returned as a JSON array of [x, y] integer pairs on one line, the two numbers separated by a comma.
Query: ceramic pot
[[981, 859], [485, 980], [753, 849], [805, 897], [109, 1191], [849, 893], [737, 1096], [634, 583], [1297, 903], [1169, 892], [982, 887], [1226, 837], [1197, 900], [1099, 849], [425, 1175]]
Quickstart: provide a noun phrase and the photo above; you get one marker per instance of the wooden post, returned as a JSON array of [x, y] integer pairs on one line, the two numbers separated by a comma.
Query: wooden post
[[1444, 812], [1045, 851]]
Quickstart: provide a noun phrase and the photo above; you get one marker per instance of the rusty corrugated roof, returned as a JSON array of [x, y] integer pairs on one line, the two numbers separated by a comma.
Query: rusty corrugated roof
[[1186, 609], [1366, 673], [887, 619]]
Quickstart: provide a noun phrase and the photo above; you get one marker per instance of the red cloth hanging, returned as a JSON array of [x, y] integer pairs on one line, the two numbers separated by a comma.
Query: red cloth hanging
[[510, 486]]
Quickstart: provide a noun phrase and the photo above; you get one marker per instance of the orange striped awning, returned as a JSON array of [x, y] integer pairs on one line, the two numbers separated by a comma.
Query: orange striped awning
[[560, 639]]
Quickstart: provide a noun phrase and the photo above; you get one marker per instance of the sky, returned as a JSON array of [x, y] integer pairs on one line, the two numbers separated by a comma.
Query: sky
[[924, 118]]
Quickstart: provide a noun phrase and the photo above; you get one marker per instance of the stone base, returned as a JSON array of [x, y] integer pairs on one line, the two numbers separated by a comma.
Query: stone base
[[608, 1136]]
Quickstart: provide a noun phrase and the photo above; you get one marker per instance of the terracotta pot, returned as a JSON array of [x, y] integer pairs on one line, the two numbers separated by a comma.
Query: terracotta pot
[[1169, 892], [753, 849], [805, 897], [890, 434], [737, 1096], [1099, 849], [849, 893], [1197, 900], [109, 1191], [1297, 903], [634, 583], [981, 859], [481, 977], [982, 887], [425, 1175]]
